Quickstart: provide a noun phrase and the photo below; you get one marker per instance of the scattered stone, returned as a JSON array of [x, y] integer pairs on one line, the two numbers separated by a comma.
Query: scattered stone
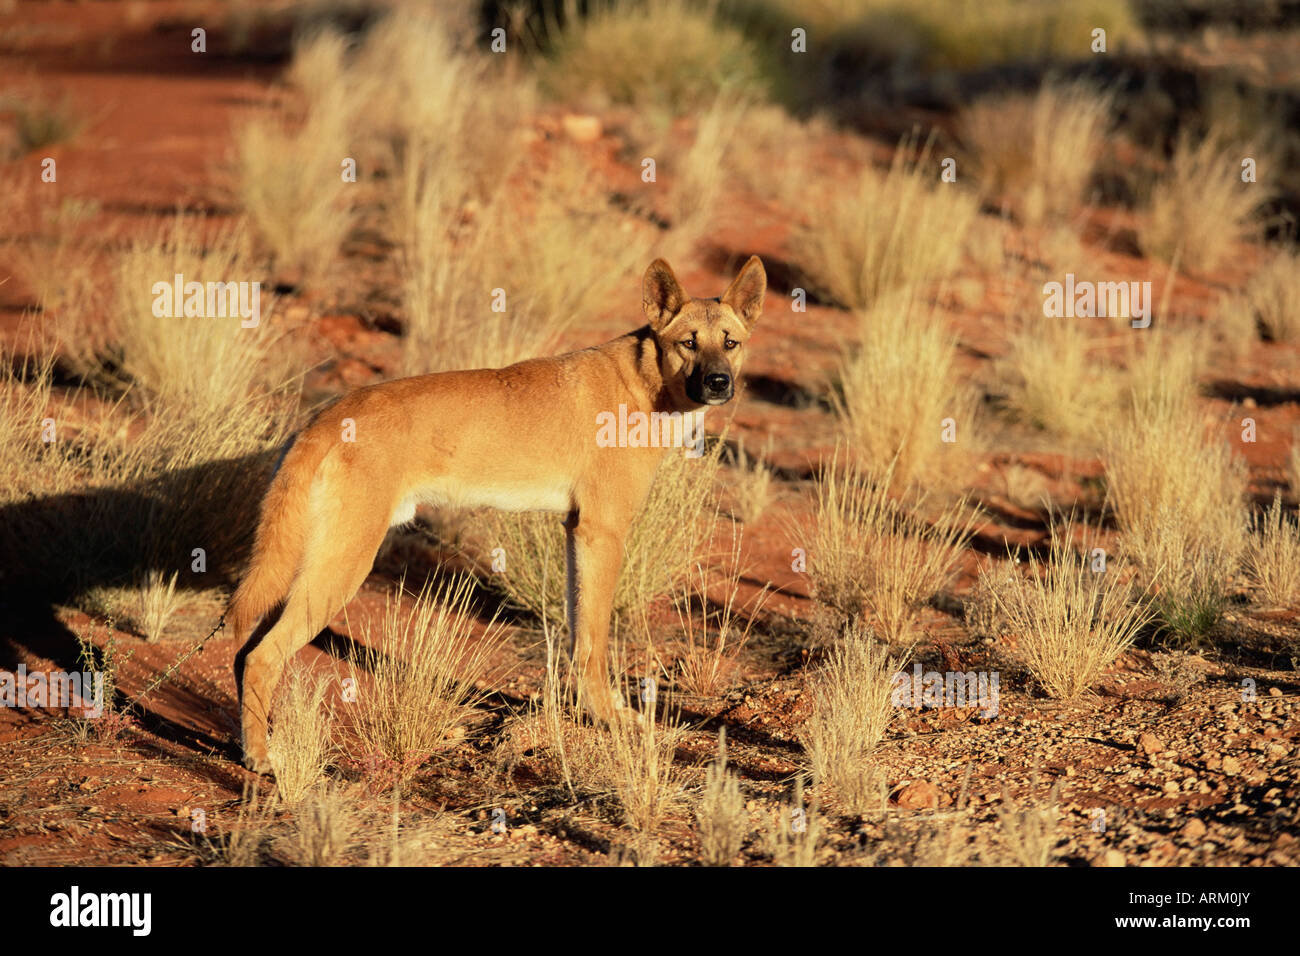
[[582, 129], [1110, 858], [1231, 766], [1149, 743], [1194, 830], [918, 795]]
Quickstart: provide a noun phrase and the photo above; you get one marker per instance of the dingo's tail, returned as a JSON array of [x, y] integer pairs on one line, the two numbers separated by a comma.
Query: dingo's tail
[[280, 542]]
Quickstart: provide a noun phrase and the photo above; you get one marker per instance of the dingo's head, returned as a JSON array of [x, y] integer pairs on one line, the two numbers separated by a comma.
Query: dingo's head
[[702, 341]]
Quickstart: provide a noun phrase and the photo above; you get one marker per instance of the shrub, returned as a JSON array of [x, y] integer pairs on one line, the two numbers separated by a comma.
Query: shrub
[[1038, 150]]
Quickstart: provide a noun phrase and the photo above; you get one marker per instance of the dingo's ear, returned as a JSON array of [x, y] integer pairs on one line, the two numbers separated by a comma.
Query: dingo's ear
[[745, 294], [661, 295]]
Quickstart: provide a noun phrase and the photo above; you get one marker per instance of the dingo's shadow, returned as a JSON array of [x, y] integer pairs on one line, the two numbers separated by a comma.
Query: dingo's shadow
[[58, 550]]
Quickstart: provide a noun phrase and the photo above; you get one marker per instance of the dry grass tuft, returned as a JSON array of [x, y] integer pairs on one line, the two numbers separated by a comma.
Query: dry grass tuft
[[894, 230], [159, 354], [1037, 151], [1274, 296], [421, 104], [1235, 326], [898, 395], [636, 762], [246, 841], [1053, 381], [157, 602], [871, 554], [1030, 832], [425, 672], [669, 54], [301, 745], [982, 613], [720, 817], [1162, 376], [1295, 464], [707, 665], [1072, 621], [753, 487], [696, 186], [40, 119], [325, 826], [852, 709], [797, 831], [631, 760], [555, 263], [472, 208], [64, 274], [1273, 554], [1178, 498], [319, 65], [289, 179], [1200, 209]]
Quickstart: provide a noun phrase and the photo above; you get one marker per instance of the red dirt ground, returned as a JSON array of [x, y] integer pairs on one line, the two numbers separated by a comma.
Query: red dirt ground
[[1184, 775]]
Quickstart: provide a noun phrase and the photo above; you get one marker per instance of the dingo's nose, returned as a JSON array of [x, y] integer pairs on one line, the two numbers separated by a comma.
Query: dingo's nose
[[718, 382]]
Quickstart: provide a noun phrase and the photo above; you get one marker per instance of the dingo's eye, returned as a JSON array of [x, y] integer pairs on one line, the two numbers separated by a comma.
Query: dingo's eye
[[687, 344], [729, 343]]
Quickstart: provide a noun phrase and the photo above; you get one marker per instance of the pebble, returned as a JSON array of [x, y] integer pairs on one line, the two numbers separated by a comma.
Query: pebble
[[1149, 743], [582, 129], [918, 795]]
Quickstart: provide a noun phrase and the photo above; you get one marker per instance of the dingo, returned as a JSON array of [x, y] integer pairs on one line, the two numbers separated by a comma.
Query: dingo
[[521, 438]]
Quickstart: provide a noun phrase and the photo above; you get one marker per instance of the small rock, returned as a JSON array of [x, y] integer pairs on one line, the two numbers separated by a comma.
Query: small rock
[[1231, 765], [1149, 743], [1275, 692], [918, 795], [582, 129], [1109, 858], [1194, 830]]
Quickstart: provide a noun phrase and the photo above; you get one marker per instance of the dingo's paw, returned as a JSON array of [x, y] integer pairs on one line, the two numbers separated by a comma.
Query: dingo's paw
[[258, 763]]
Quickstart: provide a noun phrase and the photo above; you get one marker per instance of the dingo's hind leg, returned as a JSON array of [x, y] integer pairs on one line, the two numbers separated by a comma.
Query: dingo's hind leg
[[327, 581]]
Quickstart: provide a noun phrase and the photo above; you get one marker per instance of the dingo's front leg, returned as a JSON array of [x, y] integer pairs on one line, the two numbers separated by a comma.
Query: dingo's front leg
[[595, 557]]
